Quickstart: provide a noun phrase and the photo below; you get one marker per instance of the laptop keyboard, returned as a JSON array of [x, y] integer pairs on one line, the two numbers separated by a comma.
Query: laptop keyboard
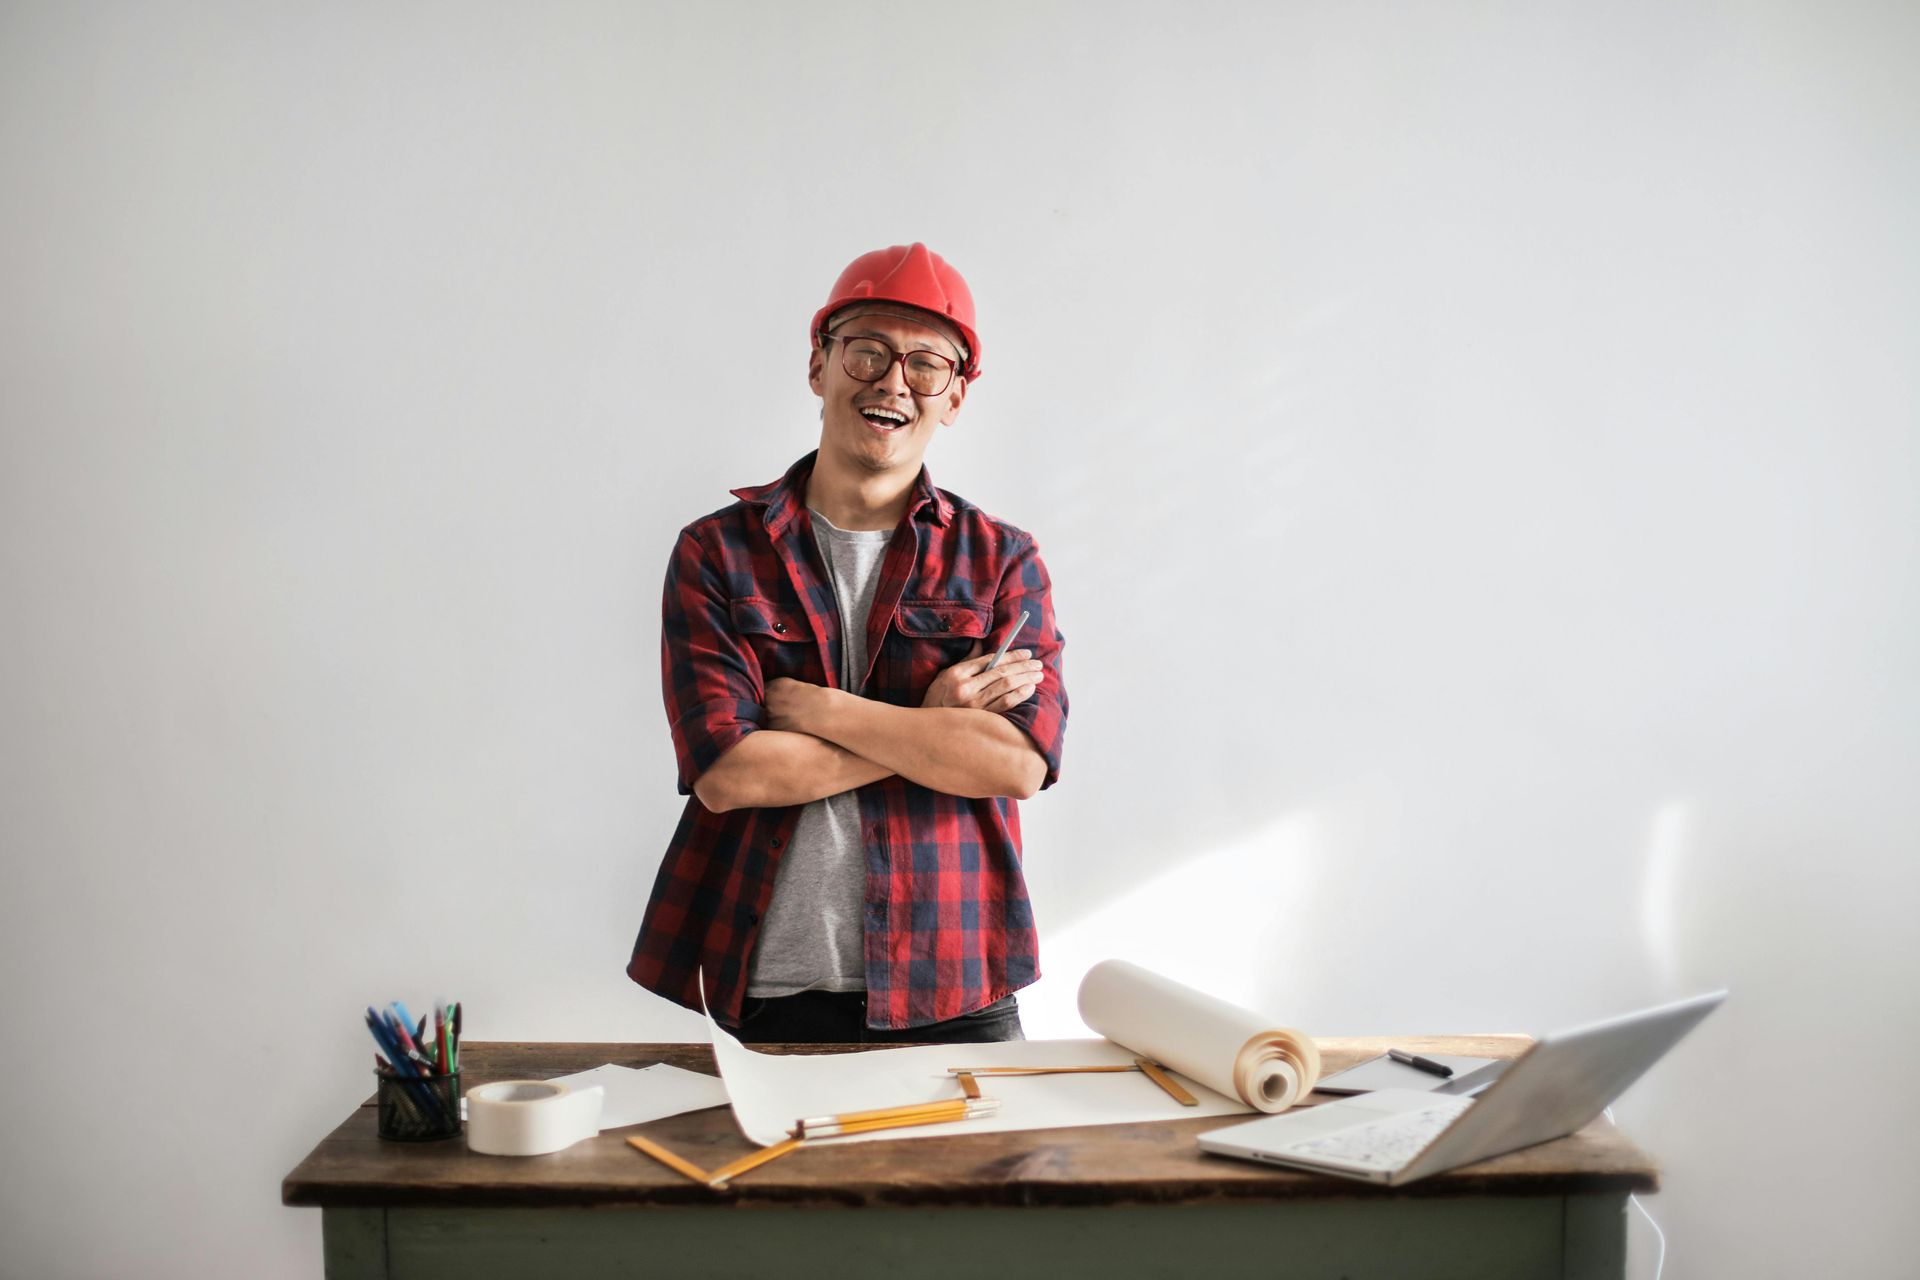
[[1388, 1143]]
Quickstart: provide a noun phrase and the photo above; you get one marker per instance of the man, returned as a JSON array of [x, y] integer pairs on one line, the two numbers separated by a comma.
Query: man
[[848, 867]]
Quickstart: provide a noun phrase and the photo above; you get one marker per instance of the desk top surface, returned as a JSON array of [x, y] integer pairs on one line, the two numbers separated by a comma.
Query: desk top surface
[[1156, 1163]]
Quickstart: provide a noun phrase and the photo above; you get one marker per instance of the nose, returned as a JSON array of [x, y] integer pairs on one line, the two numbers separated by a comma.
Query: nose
[[894, 380]]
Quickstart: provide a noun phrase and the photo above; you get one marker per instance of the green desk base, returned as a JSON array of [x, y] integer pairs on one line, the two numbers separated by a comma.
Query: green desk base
[[1569, 1238]]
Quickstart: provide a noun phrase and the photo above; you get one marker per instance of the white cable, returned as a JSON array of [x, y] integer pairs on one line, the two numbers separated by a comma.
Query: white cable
[[1660, 1259], [1660, 1263]]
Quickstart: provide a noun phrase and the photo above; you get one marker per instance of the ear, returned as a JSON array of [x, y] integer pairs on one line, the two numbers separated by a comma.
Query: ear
[[950, 403]]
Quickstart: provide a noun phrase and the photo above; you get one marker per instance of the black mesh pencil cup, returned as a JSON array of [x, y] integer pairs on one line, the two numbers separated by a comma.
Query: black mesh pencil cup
[[418, 1109]]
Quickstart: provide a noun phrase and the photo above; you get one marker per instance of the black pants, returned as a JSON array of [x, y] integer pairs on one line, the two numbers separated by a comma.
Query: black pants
[[840, 1017]]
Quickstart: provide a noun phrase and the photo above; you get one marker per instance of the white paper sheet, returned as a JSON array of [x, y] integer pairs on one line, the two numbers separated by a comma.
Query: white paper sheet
[[1183, 1029], [635, 1095], [772, 1091]]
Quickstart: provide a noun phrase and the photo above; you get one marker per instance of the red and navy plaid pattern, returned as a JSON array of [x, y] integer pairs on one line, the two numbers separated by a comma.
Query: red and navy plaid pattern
[[949, 925]]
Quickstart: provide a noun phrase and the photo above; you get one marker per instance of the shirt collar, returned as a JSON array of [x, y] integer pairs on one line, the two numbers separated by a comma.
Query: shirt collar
[[786, 497]]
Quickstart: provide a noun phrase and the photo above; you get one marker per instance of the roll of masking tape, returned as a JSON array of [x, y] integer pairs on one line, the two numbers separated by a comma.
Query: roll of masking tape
[[530, 1117]]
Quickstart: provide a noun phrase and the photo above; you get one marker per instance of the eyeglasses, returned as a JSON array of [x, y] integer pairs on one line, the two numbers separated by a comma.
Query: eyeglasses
[[868, 359]]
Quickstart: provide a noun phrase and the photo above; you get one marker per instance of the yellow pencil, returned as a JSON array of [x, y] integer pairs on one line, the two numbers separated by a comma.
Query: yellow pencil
[[1158, 1074], [897, 1117], [719, 1176], [885, 1113], [1031, 1071], [669, 1159]]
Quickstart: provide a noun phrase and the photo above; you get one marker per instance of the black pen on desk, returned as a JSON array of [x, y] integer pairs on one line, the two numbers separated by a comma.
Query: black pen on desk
[[1006, 644], [1427, 1065]]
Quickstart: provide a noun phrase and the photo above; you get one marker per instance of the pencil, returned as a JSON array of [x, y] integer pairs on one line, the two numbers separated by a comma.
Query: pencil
[[669, 1159], [896, 1118], [1031, 1071], [1156, 1073], [718, 1178]]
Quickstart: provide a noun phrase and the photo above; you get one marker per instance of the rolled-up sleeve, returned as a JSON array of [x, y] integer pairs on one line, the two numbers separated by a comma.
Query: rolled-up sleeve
[[709, 675], [1043, 716]]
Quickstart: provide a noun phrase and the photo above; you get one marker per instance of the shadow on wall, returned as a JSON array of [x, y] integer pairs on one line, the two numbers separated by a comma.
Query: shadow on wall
[[1260, 940]]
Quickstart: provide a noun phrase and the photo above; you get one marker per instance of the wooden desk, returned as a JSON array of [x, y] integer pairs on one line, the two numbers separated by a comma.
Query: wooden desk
[[1114, 1200]]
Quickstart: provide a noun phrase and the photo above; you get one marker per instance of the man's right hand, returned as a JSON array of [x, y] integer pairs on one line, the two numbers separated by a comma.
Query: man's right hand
[[968, 683]]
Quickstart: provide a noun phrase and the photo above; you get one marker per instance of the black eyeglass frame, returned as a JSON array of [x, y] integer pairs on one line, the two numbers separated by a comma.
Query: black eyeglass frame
[[899, 358]]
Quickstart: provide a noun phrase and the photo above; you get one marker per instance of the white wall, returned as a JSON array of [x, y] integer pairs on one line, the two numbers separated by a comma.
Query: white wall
[[1475, 446]]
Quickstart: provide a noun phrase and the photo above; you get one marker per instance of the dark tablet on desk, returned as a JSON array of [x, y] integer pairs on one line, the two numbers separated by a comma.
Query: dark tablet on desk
[[1470, 1076]]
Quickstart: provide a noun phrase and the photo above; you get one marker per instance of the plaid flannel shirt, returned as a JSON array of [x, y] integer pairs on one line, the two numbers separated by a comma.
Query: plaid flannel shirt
[[949, 928]]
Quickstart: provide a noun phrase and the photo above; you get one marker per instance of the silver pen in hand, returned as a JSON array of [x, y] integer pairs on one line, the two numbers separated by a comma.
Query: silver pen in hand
[[1006, 644]]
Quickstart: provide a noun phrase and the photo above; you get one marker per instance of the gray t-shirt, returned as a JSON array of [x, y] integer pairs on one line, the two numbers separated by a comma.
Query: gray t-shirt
[[813, 936]]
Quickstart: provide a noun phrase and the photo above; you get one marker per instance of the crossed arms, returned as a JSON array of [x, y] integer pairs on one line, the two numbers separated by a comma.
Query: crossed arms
[[742, 741], [819, 742]]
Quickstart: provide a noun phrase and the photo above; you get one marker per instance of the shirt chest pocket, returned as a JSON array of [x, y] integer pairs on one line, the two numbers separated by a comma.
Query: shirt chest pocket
[[780, 638], [928, 636]]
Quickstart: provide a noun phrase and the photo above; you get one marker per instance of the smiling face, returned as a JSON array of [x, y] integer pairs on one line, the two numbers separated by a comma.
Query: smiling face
[[880, 427]]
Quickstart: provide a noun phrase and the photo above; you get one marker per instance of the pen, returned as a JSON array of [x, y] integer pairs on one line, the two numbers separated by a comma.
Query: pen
[[1427, 1065], [398, 1060], [400, 1065], [397, 1057], [381, 1038], [404, 1038], [1001, 652], [400, 1011]]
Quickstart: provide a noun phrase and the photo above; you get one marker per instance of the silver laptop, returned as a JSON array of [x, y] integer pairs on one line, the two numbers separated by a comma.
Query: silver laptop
[[1394, 1136]]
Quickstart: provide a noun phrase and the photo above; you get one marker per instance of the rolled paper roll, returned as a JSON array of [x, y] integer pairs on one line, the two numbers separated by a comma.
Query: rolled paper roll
[[1229, 1049]]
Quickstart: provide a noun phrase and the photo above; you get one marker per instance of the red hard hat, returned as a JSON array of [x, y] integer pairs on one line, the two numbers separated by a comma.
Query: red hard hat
[[915, 276]]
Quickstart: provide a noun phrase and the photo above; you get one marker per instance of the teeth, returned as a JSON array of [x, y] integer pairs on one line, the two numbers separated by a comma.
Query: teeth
[[887, 414]]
